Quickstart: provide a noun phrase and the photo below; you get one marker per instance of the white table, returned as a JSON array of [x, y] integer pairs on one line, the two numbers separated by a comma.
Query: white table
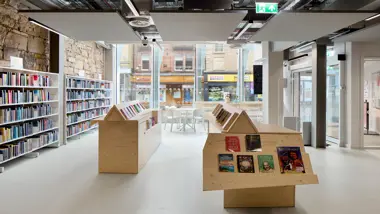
[[184, 119]]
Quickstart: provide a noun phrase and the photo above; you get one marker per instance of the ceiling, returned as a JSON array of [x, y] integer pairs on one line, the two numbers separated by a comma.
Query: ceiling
[[201, 26], [306, 26], [369, 34], [203, 20], [89, 26]]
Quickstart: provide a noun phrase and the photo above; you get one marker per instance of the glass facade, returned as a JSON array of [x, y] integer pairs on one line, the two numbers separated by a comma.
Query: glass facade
[[181, 74]]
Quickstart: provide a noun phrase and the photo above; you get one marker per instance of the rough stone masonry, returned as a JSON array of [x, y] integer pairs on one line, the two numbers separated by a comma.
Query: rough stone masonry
[[20, 38]]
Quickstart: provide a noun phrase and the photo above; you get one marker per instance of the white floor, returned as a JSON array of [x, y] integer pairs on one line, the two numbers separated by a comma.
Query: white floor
[[65, 181]]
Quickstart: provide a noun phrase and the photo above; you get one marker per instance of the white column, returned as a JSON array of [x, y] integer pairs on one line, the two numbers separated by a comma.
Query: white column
[[355, 88], [272, 84], [110, 72]]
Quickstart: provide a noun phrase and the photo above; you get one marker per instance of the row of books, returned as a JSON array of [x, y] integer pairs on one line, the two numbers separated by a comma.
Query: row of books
[[21, 79], [88, 104], [72, 118], [70, 95], [151, 122], [18, 96], [21, 130], [75, 83], [132, 110], [25, 112], [289, 162], [74, 129], [16, 149]]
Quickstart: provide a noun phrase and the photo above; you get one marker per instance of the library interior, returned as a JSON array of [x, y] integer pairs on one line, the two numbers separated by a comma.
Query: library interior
[[189, 106]]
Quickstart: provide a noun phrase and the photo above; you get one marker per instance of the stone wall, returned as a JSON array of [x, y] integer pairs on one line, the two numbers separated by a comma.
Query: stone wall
[[84, 56], [20, 38]]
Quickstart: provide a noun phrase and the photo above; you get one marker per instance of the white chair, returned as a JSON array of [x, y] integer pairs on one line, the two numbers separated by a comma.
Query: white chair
[[173, 117], [199, 117]]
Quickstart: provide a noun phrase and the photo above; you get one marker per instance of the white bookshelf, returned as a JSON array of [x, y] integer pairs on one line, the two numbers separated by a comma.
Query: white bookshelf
[[100, 98], [30, 112]]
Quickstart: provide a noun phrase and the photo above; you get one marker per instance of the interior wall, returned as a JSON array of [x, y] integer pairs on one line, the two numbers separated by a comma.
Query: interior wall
[[83, 57], [20, 38], [356, 53]]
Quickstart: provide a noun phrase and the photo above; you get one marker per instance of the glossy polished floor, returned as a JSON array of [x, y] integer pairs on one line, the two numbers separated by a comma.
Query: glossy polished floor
[[65, 181]]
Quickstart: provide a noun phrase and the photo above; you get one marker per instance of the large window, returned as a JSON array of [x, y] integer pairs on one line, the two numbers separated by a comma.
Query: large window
[[217, 73], [134, 73], [182, 74], [177, 75]]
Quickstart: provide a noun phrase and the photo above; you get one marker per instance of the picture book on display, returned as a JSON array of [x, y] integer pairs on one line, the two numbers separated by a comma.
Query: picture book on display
[[253, 143], [266, 163], [232, 144], [245, 164], [226, 163], [290, 160]]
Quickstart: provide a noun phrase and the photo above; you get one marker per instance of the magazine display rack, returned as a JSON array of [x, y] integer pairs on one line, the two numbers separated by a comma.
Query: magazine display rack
[[128, 137], [258, 188]]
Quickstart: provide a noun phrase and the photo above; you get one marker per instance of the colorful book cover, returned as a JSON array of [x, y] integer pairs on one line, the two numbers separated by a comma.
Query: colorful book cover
[[266, 163], [232, 144], [253, 143], [245, 164], [290, 160], [226, 163]]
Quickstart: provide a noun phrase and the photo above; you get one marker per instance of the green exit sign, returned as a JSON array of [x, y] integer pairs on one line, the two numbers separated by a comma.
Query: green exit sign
[[263, 7]]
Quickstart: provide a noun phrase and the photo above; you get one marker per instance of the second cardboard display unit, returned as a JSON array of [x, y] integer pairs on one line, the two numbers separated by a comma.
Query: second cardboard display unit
[[257, 165], [128, 136]]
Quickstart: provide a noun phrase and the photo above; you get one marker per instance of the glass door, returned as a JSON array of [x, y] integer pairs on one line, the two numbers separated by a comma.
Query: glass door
[[333, 103], [302, 96]]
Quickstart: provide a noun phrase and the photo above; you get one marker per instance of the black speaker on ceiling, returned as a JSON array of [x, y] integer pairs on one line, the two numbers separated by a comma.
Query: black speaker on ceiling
[[341, 57]]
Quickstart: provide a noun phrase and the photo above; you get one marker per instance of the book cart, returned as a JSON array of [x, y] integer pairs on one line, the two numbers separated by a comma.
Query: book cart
[[128, 136], [260, 188]]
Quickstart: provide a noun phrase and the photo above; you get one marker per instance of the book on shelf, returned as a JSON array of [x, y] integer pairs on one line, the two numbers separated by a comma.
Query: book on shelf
[[245, 164], [18, 96], [24, 79], [12, 114], [79, 127], [290, 160], [226, 163], [71, 95], [76, 117], [19, 148], [11, 132], [87, 104], [93, 84]]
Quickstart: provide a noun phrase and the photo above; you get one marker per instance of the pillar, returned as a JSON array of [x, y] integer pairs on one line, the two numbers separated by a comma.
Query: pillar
[[110, 72], [272, 81], [318, 125]]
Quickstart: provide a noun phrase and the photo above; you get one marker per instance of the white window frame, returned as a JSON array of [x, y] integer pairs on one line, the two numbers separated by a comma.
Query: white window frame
[[176, 58], [192, 62], [143, 56], [216, 50]]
